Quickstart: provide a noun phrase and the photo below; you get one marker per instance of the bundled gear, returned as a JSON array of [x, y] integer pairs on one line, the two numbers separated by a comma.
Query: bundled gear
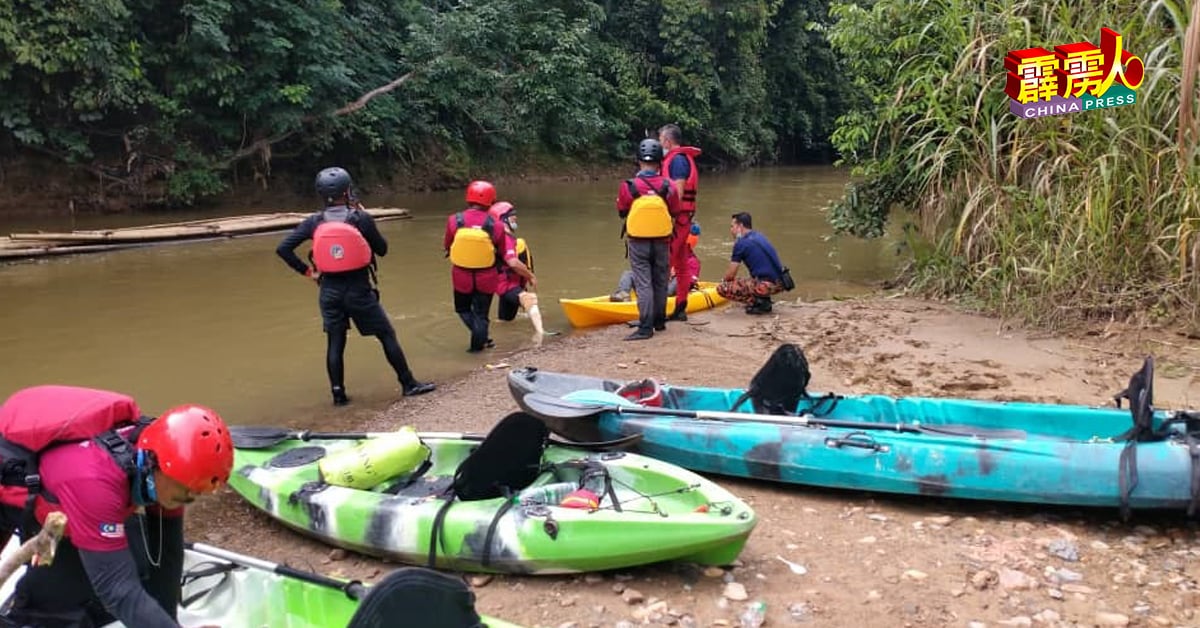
[[474, 247], [338, 245], [649, 216], [35, 419]]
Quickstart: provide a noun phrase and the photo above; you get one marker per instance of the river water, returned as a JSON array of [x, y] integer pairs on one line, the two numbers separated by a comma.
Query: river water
[[227, 324]]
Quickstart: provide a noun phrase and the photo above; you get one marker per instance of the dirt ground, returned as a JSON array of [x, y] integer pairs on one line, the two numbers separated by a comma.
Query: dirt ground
[[868, 559]]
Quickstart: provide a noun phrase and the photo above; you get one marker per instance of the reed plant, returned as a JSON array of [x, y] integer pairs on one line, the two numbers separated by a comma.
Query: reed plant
[[1049, 219]]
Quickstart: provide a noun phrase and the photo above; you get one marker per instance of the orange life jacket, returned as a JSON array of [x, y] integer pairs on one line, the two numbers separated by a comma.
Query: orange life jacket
[[687, 202]]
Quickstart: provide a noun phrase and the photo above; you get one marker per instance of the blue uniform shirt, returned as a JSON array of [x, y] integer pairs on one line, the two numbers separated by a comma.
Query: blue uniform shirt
[[758, 255]]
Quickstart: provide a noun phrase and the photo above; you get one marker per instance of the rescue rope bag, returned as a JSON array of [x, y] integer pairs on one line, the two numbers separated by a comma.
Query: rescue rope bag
[[473, 247], [648, 215]]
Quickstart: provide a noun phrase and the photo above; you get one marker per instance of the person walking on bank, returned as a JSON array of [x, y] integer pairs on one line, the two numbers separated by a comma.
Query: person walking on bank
[[345, 245], [517, 285], [679, 165], [122, 480], [474, 242], [648, 206], [751, 248]]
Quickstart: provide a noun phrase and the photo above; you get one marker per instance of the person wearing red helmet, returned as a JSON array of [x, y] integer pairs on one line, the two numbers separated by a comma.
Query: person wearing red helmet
[[474, 242], [517, 286], [123, 492], [345, 244]]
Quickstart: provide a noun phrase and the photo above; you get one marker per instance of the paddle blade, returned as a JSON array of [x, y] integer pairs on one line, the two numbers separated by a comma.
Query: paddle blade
[[258, 437], [547, 405]]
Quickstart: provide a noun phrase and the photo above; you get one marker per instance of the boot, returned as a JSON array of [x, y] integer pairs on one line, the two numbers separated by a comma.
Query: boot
[[414, 388], [680, 313], [761, 305], [339, 396]]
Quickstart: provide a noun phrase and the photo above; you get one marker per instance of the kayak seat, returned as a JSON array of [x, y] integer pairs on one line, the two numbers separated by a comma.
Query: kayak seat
[[507, 461], [779, 384], [412, 596]]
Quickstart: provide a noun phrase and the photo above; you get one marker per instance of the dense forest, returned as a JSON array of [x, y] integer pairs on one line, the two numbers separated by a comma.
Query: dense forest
[[173, 101], [1088, 214]]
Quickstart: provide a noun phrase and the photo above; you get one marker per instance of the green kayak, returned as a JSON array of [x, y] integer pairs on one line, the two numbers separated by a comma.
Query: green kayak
[[496, 506], [223, 588]]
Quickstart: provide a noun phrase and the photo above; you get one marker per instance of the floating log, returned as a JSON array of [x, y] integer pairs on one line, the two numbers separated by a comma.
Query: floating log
[[20, 245]]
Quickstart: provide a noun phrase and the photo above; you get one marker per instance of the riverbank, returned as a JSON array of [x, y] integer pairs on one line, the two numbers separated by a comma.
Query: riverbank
[[869, 559], [42, 186]]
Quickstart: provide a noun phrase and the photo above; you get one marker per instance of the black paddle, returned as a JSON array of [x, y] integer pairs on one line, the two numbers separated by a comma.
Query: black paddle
[[261, 437], [353, 588], [557, 407]]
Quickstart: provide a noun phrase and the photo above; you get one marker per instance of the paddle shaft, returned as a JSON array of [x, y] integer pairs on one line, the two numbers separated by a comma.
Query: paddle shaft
[[745, 417], [352, 588]]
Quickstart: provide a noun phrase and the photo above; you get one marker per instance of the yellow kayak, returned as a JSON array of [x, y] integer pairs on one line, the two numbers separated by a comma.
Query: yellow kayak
[[596, 311]]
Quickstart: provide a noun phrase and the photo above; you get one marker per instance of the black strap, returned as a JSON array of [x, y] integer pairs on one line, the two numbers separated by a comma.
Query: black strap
[[437, 528], [491, 531], [1193, 444], [204, 570], [412, 477]]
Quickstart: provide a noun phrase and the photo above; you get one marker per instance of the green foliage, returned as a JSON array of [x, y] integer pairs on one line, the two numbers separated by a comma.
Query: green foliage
[[167, 98], [1092, 213]]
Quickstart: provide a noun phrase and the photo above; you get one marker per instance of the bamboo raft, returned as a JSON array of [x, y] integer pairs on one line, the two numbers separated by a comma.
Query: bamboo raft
[[44, 243]]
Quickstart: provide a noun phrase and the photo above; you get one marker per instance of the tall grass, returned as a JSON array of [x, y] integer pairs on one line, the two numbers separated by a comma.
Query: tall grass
[[1081, 215]]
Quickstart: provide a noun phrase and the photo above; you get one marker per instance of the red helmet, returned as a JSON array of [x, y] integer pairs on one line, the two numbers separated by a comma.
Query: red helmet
[[192, 447], [501, 210], [481, 193]]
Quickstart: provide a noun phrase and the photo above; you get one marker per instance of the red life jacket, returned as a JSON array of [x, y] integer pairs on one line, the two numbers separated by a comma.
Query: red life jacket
[[34, 419], [687, 202], [338, 246]]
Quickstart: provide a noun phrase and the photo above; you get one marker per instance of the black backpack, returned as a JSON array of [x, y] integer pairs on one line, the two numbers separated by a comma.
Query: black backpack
[[780, 384]]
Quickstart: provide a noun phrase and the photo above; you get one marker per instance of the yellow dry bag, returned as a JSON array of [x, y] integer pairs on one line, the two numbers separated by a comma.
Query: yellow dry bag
[[375, 460], [473, 247], [648, 215]]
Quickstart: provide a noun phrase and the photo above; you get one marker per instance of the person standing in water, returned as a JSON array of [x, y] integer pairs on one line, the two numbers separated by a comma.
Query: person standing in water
[[345, 245]]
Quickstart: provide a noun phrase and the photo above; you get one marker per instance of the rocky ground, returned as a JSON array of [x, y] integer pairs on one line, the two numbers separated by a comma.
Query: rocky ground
[[838, 558]]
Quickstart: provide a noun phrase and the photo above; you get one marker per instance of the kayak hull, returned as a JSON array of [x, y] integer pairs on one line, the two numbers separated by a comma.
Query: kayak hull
[[597, 311], [960, 448], [242, 596], [527, 539]]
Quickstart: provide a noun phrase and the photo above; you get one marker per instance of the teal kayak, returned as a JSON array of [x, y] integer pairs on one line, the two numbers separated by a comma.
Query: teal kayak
[[646, 510], [223, 588], [960, 448]]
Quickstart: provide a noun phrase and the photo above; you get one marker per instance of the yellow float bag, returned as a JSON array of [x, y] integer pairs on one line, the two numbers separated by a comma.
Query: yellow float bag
[[374, 460], [473, 247], [648, 215]]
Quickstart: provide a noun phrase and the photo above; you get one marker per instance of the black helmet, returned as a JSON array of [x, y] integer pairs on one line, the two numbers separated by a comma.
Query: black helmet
[[332, 183], [650, 150]]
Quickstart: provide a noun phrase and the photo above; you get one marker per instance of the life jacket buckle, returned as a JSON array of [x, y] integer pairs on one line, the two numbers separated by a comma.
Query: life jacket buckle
[[33, 482]]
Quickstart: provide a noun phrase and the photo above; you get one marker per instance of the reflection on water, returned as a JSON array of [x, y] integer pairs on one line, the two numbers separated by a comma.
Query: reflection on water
[[228, 324]]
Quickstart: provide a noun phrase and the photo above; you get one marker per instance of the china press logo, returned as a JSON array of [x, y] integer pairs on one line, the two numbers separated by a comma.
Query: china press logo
[[1073, 78]]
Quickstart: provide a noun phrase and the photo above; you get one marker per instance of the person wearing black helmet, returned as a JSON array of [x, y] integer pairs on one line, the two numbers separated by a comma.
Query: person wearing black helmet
[[345, 245], [648, 205]]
